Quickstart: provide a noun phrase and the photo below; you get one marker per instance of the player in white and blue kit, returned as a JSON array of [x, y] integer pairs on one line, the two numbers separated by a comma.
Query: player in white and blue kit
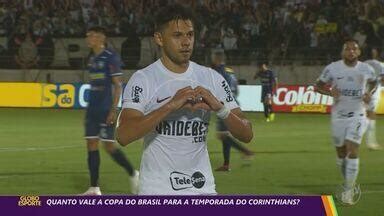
[[352, 85], [378, 66], [169, 104], [104, 72]]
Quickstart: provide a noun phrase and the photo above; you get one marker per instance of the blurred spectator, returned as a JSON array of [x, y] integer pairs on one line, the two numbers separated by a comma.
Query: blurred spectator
[[131, 50], [230, 45], [230, 40], [321, 20], [361, 38], [262, 27]]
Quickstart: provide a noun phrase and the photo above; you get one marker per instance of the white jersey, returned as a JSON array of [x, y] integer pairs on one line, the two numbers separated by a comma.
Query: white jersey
[[379, 72], [377, 66], [175, 159], [352, 84]]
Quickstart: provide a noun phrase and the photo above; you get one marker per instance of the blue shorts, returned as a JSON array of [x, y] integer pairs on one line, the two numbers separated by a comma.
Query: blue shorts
[[266, 93], [95, 126]]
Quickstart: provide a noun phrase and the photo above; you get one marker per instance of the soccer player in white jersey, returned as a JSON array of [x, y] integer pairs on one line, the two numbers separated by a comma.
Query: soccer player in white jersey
[[169, 104], [370, 137], [352, 84]]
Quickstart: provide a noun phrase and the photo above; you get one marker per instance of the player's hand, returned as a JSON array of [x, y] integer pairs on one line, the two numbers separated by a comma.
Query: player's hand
[[335, 93], [111, 118], [182, 98], [367, 98], [206, 100]]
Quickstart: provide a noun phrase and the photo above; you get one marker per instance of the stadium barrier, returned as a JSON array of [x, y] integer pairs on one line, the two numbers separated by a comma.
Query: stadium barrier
[[288, 98]]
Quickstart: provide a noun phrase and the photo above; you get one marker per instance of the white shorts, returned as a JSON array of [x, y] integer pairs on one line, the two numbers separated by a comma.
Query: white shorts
[[351, 129]]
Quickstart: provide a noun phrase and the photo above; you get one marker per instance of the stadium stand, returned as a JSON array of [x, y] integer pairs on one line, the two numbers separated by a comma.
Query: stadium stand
[[289, 32]]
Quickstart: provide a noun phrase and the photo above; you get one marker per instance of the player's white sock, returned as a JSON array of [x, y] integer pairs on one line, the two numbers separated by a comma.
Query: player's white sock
[[351, 172], [371, 133], [341, 164]]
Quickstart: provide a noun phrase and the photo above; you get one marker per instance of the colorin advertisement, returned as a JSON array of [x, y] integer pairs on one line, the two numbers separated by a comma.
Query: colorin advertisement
[[288, 98]]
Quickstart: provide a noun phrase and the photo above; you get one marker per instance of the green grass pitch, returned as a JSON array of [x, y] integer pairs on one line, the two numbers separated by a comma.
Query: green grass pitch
[[42, 152]]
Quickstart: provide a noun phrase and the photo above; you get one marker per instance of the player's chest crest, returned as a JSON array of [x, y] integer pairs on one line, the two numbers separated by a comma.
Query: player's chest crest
[[96, 64], [360, 79], [350, 79], [357, 79], [100, 65]]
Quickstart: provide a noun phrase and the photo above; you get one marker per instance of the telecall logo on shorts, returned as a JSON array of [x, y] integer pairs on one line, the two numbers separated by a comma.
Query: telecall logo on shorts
[[180, 181]]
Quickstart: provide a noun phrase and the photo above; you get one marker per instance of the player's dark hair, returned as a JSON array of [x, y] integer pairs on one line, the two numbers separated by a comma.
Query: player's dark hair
[[350, 40], [262, 62], [172, 12], [98, 29]]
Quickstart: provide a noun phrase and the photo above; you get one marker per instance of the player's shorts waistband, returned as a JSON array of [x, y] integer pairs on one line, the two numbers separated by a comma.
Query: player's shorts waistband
[[349, 115]]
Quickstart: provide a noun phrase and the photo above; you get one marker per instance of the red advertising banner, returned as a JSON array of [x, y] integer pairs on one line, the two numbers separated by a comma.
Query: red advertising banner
[[295, 98]]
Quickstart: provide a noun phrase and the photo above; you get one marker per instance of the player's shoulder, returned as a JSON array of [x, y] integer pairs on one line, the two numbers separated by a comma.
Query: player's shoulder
[[206, 75], [147, 73], [335, 64], [203, 71], [110, 52], [199, 68], [364, 66], [375, 63], [335, 67], [150, 68]]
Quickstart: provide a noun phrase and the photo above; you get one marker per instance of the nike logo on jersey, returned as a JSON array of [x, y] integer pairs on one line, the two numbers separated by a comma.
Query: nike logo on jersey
[[161, 100], [340, 78]]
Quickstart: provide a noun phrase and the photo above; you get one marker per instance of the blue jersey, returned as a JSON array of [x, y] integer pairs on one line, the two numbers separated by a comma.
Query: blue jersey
[[229, 76], [102, 68], [267, 79]]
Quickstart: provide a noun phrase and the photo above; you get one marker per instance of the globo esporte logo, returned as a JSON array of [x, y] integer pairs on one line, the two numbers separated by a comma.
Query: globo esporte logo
[[180, 181]]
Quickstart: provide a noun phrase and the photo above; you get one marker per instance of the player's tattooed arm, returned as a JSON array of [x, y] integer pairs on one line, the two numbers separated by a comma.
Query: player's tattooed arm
[[236, 122], [133, 124], [239, 126], [322, 88], [371, 88], [116, 93], [333, 91]]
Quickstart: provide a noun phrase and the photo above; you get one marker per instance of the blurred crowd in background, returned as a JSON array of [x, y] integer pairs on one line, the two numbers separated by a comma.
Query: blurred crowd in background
[[309, 30]]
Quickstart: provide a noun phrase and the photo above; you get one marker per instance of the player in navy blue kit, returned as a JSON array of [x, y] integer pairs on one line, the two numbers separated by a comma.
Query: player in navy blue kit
[[268, 81], [218, 64], [104, 72]]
